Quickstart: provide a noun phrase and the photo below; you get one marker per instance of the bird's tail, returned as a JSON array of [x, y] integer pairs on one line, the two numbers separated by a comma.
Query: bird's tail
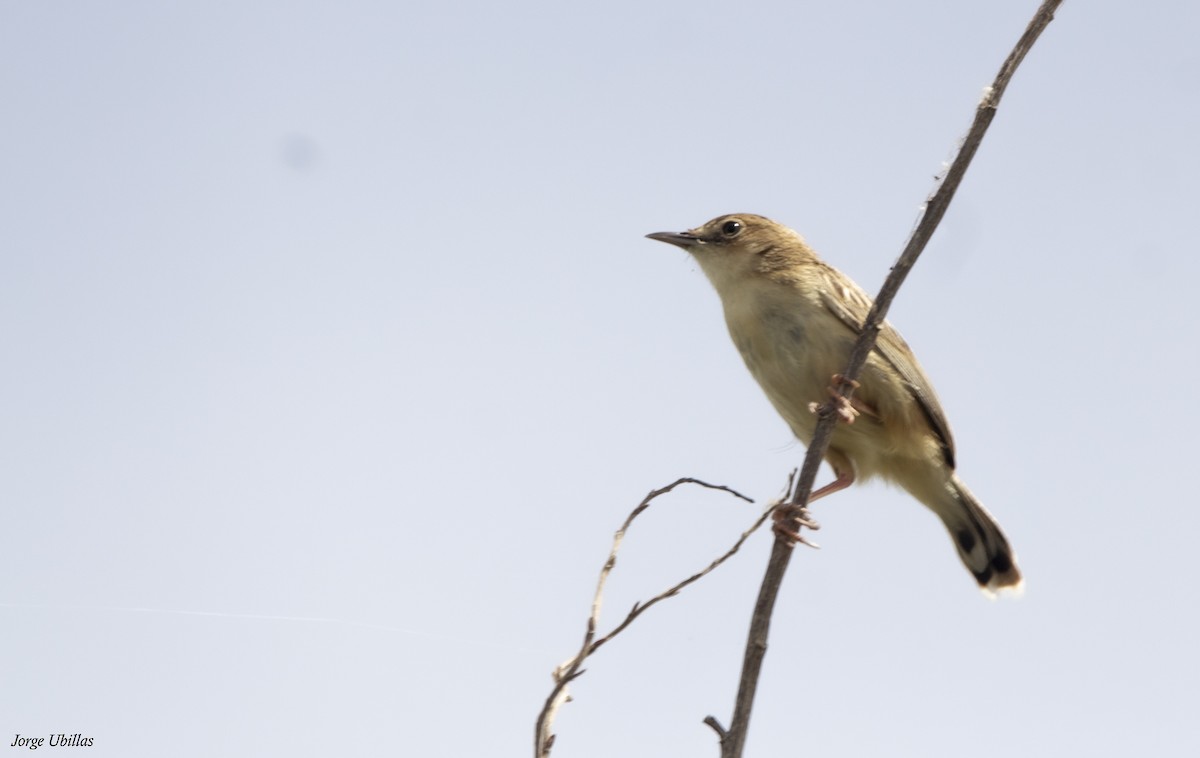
[[981, 544]]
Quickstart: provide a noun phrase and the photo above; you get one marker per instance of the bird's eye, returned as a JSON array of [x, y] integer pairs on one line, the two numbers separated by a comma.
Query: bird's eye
[[731, 228]]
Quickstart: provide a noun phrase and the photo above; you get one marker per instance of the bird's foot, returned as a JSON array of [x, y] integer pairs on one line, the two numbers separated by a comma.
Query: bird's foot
[[788, 519], [847, 409]]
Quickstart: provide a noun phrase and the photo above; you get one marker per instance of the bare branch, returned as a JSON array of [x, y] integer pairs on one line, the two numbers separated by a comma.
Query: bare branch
[[639, 608], [733, 740], [572, 669]]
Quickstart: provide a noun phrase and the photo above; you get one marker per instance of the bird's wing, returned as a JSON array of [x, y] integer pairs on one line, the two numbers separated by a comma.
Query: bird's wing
[[848, 302]]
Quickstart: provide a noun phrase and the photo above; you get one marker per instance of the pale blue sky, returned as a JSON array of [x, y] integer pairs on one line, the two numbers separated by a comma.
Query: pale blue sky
[[334, 354]]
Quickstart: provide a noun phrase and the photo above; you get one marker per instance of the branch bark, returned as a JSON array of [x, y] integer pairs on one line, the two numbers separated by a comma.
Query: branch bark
[[733, 740]]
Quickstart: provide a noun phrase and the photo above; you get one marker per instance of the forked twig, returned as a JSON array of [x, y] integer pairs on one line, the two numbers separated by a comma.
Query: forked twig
[[572, 669]]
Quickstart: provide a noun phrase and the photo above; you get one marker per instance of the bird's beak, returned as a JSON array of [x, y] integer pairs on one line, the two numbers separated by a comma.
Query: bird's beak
[[680, 239]]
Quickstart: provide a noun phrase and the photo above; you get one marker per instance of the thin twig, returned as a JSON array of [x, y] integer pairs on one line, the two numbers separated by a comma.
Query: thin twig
[[733, 740], [572, 669], [639, 608]]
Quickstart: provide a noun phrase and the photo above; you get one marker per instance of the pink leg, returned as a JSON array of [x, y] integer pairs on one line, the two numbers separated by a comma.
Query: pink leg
[[844, 479]]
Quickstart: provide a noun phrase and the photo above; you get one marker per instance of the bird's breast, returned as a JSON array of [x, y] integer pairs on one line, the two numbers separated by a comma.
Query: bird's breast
[[792, 346]]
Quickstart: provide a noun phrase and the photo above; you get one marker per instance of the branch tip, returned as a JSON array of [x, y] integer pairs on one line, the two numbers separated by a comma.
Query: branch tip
[[716, 727]]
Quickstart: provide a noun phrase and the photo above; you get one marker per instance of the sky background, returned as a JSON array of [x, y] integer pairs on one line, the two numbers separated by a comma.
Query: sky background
[[333, 354]]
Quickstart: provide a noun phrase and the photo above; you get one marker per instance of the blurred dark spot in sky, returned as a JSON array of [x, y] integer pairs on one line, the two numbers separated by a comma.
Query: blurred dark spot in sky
[[300, 152]]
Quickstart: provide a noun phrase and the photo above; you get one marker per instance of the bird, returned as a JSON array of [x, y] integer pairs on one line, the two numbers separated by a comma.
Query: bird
[[794, 319]]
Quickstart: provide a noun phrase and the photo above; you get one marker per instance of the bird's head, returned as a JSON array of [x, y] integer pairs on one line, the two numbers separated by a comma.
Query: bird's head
[[740, 247]]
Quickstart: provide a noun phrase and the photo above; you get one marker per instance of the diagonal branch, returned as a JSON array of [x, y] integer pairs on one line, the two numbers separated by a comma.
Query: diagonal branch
[[733, 740]]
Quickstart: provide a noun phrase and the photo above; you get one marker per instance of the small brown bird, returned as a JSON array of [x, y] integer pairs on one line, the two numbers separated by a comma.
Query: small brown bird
[[794, 319]]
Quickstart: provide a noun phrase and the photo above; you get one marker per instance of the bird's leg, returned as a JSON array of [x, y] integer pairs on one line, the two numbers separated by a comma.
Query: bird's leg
[[789, 518], [842, 480]]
